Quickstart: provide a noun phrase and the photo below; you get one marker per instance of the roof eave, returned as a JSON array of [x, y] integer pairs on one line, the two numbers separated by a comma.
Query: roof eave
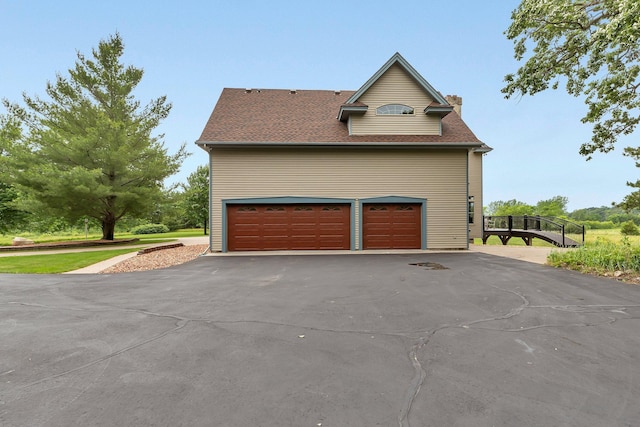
[[345, 112], [441, 111], [484, 148], [469, 145]]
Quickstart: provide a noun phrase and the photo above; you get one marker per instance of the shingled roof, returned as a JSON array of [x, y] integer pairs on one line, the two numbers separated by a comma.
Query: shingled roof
[[306, 117]]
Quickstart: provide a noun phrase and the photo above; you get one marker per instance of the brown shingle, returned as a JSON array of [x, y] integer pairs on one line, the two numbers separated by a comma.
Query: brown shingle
[[306, 116]]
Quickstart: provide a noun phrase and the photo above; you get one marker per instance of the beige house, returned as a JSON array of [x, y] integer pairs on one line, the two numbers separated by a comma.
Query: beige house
[[391, 165]]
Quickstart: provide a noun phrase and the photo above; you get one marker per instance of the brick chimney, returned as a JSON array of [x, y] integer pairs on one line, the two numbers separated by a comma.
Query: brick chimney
[[456, 101]]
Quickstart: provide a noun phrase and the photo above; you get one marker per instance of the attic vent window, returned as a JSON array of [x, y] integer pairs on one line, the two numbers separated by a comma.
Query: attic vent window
[[394, 109]]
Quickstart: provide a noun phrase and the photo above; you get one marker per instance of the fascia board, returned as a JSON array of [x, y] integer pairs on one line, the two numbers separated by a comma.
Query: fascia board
[[385, 144]]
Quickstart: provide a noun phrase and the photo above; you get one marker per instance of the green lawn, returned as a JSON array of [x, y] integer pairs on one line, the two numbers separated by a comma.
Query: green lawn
[[612, 235], [514, 241], [61, 263], [5, 240], [56, 263]]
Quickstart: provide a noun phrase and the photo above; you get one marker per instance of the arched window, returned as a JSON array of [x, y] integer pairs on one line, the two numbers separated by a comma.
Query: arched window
[[394, 109]]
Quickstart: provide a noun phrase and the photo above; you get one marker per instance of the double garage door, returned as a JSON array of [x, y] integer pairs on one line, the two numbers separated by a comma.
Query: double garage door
[[320, 226]]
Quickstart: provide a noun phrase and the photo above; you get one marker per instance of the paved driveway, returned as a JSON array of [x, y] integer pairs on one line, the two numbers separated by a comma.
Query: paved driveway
[[365, 340]]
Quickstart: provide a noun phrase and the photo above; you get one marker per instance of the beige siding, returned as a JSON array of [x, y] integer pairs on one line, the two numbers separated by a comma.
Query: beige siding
[[395, 87], [475, 190], [440, 177]]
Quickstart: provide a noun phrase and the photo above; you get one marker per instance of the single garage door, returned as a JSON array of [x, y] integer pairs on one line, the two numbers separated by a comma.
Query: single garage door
[[391, 226], [288, 227]]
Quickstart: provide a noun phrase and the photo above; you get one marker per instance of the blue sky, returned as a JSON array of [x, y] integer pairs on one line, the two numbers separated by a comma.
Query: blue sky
[[190, 50]]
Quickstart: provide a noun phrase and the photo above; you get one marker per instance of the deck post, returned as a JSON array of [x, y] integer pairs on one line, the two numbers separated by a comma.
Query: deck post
[[563, 244], [510, 221], [525, 222]]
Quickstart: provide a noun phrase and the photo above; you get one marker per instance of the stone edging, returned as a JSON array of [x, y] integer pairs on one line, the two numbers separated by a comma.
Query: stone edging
[[160, 247]]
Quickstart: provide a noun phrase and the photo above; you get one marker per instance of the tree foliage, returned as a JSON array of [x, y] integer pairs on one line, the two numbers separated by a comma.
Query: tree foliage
[[629, 229], [555, 206], [593, 46], [10, 216], [509, 207], [196, 196], [88, 149]]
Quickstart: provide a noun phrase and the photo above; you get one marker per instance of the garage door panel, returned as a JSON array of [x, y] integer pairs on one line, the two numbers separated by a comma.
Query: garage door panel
[[283, 227], [392, 226]]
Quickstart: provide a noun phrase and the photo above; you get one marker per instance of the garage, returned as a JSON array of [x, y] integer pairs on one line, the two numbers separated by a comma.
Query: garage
[[258, 227], [391, 226]]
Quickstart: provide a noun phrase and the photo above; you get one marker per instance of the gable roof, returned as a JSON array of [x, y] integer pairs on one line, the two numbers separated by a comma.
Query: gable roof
[[308, 117], [398, 59], [275, 116]]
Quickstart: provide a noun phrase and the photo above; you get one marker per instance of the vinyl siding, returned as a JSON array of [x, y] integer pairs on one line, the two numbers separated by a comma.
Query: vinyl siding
[[475, 190], [439, 176], [395, 87]]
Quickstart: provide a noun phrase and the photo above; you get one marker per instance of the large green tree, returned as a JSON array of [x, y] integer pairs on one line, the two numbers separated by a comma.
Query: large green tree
[[593, 47], [509, 207], [196, 196], [88, 149], [10, 216], [555, 206]]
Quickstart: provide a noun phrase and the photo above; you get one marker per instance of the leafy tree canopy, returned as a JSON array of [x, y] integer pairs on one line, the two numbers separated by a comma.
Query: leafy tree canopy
[[10, 216], [88, 149], [594, 47], [509, 207], [196, 200], [555, 206]]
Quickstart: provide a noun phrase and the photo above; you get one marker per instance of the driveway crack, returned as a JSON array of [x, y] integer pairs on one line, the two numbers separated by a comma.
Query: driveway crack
[[181, 324], [420, 374]]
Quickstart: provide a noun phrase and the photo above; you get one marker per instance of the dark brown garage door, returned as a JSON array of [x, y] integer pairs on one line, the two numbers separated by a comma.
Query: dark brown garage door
[[391, 226], [288, 227]]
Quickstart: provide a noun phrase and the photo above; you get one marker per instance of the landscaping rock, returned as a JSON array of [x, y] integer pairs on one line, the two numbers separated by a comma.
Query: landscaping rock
[[21, 241]]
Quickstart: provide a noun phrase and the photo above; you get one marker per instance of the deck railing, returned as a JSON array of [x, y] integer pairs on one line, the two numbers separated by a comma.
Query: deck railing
[[563, 227]]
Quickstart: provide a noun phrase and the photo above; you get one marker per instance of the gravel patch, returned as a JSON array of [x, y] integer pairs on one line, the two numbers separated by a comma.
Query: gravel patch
[[158, 259]]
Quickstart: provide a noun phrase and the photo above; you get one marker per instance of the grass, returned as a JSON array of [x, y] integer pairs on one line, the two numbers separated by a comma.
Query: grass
[[605, 253], [61, 263], [612, 235], [5, 240], [56, 263], [600, 257], [514, 241]]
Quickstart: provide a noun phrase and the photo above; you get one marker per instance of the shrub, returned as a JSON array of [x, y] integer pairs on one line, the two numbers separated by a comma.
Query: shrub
[[600, 256], [150, 229], [629, 228]]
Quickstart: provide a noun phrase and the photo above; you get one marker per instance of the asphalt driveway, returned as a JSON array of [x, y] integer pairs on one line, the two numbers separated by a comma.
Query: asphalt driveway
[[465, 339]]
